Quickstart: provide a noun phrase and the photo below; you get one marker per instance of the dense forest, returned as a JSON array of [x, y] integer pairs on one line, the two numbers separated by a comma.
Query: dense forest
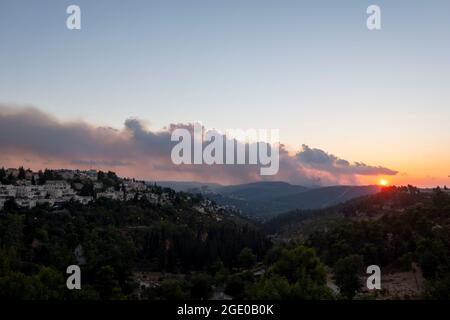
[[393, 229], [111, 240]]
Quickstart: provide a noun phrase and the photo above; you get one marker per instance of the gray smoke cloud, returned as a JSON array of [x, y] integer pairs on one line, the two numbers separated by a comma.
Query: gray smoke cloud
[[38, 140], [323, 161]]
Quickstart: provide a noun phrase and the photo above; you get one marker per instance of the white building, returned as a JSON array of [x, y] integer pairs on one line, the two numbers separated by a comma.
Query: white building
[[83, 199], [7, 191], [26, 203], [114, 195], [59, 189]]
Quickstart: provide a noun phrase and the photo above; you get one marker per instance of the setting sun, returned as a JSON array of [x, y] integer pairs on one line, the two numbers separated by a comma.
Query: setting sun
[[383, 182]]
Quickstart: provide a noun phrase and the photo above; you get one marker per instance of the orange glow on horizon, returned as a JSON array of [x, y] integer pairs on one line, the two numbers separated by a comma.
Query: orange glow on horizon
[[383, 182]]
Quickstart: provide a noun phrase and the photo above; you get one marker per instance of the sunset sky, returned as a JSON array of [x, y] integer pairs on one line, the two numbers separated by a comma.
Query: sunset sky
[[106, 95]]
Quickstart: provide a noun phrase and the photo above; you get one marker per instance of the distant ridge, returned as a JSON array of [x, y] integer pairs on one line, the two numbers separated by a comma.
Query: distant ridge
[[262, 200], [188, 186]]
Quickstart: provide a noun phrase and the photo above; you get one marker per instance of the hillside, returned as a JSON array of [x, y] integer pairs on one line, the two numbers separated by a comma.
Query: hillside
[[389, 201], [264, 200], [114, 240], [402, 230]]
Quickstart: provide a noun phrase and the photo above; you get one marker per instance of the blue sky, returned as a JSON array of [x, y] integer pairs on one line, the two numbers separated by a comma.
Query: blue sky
[[309, 68]]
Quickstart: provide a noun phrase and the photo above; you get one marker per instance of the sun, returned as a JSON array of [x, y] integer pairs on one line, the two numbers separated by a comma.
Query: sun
[[383, 182]]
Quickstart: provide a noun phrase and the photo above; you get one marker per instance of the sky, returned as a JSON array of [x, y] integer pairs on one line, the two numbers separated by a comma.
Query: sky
[[311, 69]]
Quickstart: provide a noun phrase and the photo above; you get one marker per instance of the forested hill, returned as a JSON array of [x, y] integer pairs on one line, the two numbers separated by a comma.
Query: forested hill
[[396, 229], [111, 240]]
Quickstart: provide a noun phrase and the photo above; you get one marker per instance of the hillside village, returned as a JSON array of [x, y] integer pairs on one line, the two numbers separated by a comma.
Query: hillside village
[[55, 187]]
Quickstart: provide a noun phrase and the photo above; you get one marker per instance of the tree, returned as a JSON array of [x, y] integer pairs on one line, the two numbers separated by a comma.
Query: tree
[[87, 189], [270, 288], [296, 273], [173, 289], [246, 258], [100, 175], [201, 286], [10, 179], [112, 175], [8, 261], [346, 274], [235, 286], [430, 253], [11, 231], [10, 205], [18, 286], [107, 285], [41, 178], [52, 284], [440, 198], [438, 289], [299, 264], [2, 175], [22, 174]]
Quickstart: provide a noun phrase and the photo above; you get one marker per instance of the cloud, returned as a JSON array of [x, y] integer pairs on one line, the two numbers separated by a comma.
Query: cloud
[[323, 161], [35, 139]]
